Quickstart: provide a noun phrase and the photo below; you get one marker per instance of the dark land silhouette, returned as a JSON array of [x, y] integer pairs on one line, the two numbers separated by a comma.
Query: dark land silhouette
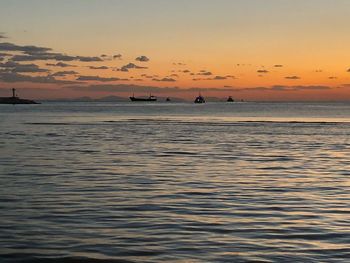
[[16, 100]]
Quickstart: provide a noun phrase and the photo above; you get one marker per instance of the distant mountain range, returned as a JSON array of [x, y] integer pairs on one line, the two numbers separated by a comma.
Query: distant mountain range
[[110, 99]]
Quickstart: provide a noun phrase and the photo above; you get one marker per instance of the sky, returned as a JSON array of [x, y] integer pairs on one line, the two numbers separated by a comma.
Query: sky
[[249, 49]]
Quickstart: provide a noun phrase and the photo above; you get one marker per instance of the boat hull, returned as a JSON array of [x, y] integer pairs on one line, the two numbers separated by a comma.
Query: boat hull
[[143, 99]]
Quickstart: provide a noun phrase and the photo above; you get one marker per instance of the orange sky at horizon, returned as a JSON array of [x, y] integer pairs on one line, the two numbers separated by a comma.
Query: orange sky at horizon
[[253, 46]]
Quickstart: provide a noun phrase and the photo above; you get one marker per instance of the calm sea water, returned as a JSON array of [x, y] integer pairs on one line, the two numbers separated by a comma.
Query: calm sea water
[[240, 182]]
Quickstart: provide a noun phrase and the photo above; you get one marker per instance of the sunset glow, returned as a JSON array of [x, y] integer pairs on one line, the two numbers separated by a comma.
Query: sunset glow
[[253, 50]]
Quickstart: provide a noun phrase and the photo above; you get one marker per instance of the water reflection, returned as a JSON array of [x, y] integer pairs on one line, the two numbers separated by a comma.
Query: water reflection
[[173, 188]]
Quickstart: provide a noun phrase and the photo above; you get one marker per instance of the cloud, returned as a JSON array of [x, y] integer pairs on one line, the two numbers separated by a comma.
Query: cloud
[[60, 64], [165, 80], [204, 73], [332, 77], [262, 71], [88, 59], [348, 70], [97, 78], [51, 56], [15, 77], [149, 76], [5, 55], [292, 77], [12, 47], [11, 66], [278, 66], [2, 35], [216, 78], [118, 56], [101, 67], [32, 53], [219, 78], [64, 73], [126, 67], [186, 71], [142, 59]]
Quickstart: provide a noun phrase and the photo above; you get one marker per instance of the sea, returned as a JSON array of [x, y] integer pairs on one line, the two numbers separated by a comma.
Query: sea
[[175, 182]]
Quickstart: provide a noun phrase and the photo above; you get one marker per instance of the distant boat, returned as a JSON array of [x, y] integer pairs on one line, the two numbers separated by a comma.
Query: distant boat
[[150, 98], [230, 99], [16, 100], [167, 99], [199, 99]]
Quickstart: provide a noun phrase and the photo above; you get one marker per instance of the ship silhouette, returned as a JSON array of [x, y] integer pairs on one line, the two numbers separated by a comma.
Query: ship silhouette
[[150, 98]]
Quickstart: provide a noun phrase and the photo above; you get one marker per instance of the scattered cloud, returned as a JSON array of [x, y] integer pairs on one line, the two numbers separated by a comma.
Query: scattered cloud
[[264, 71], [54, 56], [332, 77], [118, 56], [64, 73], [204, 73], [101, 67], [186, 71], [142, 59], [60, 64], [12, 47], [292, 77], [219, 78], [16, 77], [32, 53], [88, 59], [149, 76], [165, 80], [5, 55], [216, 78], [126, 67], [278, 66], [97, 78], [11, 66], [2, 35]]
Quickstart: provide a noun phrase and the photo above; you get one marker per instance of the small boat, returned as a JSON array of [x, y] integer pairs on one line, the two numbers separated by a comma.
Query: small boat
[[16, 100], [199, 99], [150, 98], [230, 99], [167, 99]]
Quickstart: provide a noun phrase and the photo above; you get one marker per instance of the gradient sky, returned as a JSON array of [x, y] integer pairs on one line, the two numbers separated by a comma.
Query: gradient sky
[[239, 42]]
